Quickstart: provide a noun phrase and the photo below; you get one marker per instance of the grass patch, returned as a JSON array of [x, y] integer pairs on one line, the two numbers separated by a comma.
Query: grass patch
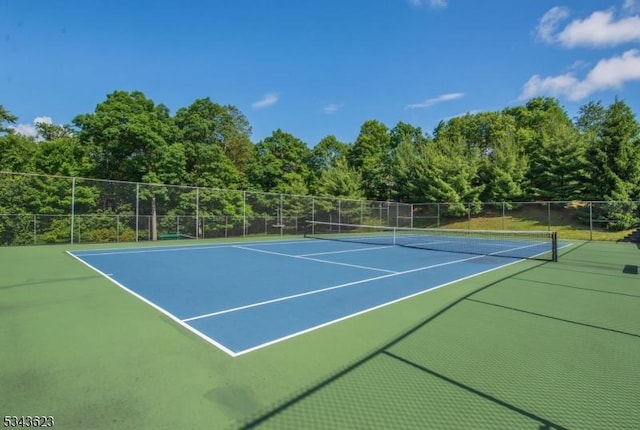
[[564, 219]]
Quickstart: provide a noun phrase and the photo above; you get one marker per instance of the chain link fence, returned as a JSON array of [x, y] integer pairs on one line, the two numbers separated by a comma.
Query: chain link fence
[[583, 220], [39, 209]]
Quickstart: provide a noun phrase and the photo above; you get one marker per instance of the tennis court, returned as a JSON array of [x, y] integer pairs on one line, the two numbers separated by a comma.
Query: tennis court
[[323, 333], [245, 296]]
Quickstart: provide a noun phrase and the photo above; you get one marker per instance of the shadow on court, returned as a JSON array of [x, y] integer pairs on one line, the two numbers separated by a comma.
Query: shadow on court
[[49, 281], [478, 364], [305, 400]]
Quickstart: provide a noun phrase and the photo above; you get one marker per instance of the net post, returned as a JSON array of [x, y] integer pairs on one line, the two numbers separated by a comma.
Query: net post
[[554, 246]]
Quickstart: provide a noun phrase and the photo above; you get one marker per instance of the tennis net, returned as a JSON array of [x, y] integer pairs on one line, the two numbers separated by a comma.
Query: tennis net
[[539, 245]]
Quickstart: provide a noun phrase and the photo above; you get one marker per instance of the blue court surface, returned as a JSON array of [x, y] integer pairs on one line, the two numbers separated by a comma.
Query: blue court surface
[[244, 296]]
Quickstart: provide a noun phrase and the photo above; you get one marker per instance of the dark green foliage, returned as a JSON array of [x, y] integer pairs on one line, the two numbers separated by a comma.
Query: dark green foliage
[[6, 116], [131, 138], [614, 158], [280, 164], [340, 180], [216, 144], [371, 157], [532, 152], [324, 156], [438, 171]]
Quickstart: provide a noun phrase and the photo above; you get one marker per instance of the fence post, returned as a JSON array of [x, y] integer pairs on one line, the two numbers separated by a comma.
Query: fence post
[[411, 215], [197, 212], [503, 214], [313, 215], [137, 210], [590, 220], [35, 229], [548, 216], [73, 205], [244, 214], [397, 212]]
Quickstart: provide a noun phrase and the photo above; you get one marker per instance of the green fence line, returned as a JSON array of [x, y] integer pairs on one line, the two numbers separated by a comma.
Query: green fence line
[[38, 209]]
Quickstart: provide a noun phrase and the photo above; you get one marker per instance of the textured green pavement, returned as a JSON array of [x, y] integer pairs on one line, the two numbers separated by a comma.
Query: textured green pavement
[[534, 345]]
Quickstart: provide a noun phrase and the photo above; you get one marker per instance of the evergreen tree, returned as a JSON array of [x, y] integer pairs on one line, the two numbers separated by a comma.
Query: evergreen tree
[[614, 155], [340, 180], [371, 156]]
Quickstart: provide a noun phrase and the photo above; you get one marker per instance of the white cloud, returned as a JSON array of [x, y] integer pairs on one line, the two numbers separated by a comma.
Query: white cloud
[[608, 74], [30, 130], [433, 101], [461, 114], [436, 4], [332, 108], [549, 23], [631, 6], [266, 101], [43, 119], [600, 29], [550, 85]]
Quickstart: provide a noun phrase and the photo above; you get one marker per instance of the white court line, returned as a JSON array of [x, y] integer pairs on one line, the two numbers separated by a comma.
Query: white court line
[[429, 243], [348, 250], [335, 287], [116, 251], [274, 341], [158, 308], [315, 259], [322, 290], [400, 299]]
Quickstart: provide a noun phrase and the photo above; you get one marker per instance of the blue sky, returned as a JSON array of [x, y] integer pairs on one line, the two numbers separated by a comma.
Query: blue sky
[[314, 68]]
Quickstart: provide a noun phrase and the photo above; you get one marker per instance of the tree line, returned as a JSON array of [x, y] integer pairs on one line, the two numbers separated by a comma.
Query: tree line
[[527, 152]]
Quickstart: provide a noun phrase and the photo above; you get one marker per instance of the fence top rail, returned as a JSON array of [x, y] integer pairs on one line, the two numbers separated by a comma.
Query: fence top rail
[[194, 187], [329, 198], [530, 202]]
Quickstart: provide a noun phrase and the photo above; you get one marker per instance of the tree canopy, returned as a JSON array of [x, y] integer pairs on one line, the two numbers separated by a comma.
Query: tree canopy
[[526, 152]]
